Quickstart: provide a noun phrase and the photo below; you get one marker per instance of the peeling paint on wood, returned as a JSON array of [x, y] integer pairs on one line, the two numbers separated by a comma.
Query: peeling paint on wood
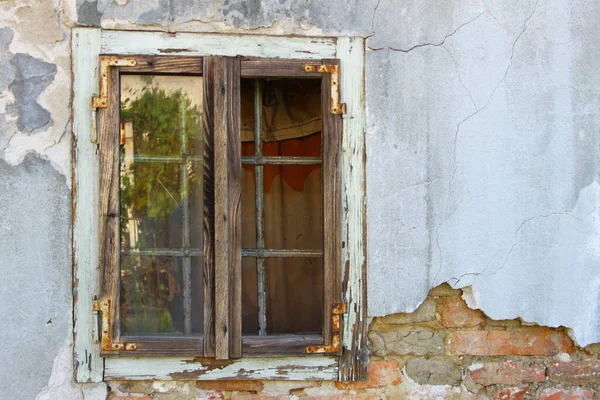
[[289, 368], [190, 44], [85, 49], [350, 51]]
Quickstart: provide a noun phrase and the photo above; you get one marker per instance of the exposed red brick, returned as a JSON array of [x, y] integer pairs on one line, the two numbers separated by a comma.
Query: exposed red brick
[[231, 386], [453, 312], [564, 394], [381, 373], [525, 342], [575, 371], [508, 373], [516, 393]]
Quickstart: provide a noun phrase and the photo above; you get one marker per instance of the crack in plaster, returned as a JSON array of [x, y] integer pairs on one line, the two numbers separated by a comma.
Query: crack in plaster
[[373, 20], [429, 44], [408, 187], [510, 250], [515, 243], [458, 126], [460, 77]]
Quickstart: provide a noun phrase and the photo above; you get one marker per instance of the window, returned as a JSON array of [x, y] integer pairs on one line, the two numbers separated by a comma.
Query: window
[[177, 200], [219, 202]]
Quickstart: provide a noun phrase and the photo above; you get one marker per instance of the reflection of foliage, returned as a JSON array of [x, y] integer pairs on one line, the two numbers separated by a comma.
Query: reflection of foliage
[[160, 121], [150, 197], [149, 289]]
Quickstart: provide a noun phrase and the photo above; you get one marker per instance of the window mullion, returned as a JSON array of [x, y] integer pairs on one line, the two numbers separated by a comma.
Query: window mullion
[[227, 184], [209, 207]]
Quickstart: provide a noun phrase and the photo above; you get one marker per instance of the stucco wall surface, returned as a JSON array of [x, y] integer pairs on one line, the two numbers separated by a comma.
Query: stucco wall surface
[[482, 146], [488, 113]]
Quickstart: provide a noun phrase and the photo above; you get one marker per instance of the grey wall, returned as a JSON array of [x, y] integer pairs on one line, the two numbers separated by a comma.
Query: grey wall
[[35, 274], [489, 115], [482, 146]]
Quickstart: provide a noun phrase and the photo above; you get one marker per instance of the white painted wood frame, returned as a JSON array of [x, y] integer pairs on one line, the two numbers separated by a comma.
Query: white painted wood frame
[[87, 45], [85, 48]]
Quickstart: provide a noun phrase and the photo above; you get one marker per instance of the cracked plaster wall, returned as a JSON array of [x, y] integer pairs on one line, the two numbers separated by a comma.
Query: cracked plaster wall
[[482, 147], [490, 119]]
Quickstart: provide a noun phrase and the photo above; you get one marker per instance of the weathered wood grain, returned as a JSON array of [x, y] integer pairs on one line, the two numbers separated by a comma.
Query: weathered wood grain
[[253, 346], [354, 360], [170, 346], [172, 368], [279, 345], [85, 48], [108, 144], [209, 209], [332, 199], [275, 68], [207, 44], [171, 65], [234, 199], [222, 248]]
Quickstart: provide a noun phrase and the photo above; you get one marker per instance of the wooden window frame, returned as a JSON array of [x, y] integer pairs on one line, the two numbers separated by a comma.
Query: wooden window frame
[[346, 227]]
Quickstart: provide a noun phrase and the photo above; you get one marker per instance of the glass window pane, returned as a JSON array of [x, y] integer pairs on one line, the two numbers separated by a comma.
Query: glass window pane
[[161, 197], [291, 109], [248, 207], [158, 114], [152, 297], [249, 297], [293, 207], [161, 156], [294, 294], [196, 204], [151, 205]]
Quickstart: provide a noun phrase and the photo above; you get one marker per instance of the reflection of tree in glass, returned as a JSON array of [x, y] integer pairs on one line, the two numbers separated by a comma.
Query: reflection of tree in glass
[[160, 121], [164, 124]]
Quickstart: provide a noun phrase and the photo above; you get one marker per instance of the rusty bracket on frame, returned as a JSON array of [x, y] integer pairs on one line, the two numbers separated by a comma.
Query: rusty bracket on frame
[[106, 343], [335, 106], [101, 101], [337, 311]]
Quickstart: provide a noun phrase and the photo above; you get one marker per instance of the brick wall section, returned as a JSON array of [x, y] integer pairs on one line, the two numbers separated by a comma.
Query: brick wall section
[[443, 350]]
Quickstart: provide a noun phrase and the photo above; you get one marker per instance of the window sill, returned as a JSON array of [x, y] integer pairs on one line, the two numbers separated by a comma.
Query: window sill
[[316, 367]]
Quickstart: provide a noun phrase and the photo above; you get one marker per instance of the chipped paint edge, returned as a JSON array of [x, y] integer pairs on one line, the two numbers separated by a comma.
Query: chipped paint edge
[[87, 44], [194, 44], [85, 48], [173, 368], [351, 51]]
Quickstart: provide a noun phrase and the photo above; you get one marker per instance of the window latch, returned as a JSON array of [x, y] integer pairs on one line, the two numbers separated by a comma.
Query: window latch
[[337, 311], [334, 106], [106, 343]]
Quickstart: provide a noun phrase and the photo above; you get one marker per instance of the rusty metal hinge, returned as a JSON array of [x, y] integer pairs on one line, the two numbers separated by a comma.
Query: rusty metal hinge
[[106, 343], [337, 311], [101, 101], [335, 106]]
